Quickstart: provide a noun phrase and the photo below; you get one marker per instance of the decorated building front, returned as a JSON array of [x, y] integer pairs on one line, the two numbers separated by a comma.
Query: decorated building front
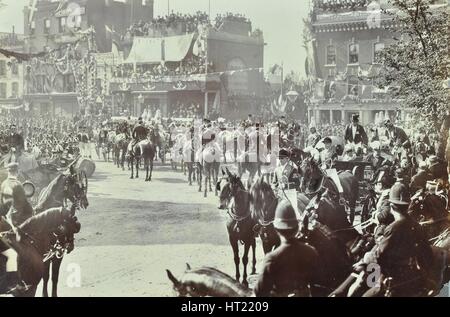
[[344, 62], [190, 74]]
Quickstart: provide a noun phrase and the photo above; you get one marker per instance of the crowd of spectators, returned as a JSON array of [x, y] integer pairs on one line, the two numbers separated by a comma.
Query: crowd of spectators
[[186, 110], [181, 23], [190, 66]]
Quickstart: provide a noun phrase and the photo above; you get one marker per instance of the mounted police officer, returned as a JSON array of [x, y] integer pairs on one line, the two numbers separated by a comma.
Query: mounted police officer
[[286, 173], [403, 252], [290, 269]]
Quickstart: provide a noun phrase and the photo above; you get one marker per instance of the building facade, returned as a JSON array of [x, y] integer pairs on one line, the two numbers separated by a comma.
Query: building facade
[[11, 73], [229, 59], [68, 79], [53, 23], [345, 43]]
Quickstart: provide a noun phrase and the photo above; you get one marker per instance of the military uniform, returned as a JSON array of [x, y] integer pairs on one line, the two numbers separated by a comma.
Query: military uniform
[[313, 139], [287, 176], [289, 269], [402, 252]]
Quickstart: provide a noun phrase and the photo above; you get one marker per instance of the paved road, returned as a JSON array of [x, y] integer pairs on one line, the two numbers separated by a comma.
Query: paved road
[[132, 231]]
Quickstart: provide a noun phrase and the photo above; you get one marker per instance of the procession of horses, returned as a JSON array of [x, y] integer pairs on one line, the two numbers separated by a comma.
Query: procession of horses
[[336, 200]]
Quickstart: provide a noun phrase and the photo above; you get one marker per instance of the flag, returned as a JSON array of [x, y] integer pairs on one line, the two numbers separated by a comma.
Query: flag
[[61, 6], [32, 8]]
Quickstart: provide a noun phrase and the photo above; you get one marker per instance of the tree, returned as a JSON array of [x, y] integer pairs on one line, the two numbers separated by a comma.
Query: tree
[[417, 63]]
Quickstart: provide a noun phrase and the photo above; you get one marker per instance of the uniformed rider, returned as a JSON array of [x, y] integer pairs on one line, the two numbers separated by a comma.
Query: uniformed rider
[[290, 269]]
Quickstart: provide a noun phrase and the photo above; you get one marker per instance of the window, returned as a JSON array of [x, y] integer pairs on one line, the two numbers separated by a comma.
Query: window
[[32, 27], [353, 54], [15, 90], [47, 25], [353, 86], [62, 24], [14, 68], [377, 49], [2, 90], [2, 68], [331, 55]]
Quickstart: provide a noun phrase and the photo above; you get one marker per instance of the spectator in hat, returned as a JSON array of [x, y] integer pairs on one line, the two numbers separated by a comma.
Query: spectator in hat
[[396, 135], [438, 168], [290, 269], [419, 181], [355, 133]]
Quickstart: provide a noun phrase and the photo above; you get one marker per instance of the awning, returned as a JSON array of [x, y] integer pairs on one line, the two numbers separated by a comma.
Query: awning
[[148, 50]]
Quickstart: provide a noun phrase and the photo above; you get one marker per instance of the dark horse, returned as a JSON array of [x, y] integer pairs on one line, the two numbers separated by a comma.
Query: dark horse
[[236, 200], [264, 202], [70, 187], [314, 179], [32, 242], [145, 149]]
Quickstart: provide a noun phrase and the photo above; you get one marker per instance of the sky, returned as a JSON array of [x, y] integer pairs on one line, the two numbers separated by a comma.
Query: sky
[[280, 20]]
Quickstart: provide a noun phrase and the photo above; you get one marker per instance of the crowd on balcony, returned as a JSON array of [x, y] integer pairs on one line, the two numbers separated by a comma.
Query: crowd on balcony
[[190, 66], [186, 110], [338, 5], [185, 23]]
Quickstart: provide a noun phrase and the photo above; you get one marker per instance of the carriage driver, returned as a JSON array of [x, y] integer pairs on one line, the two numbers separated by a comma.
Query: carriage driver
[[286, 173], [289, 269], [14, 210]]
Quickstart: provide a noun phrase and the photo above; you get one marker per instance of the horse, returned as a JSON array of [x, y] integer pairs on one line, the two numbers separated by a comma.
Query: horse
[[70, 187], [209, 162], [120, 147], [236, 200], [207, 282], [263, 204], [335, 263], [32, 242], [314, 179], [145, 149]]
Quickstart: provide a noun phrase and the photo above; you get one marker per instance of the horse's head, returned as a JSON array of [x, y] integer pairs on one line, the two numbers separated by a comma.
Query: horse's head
[[76, 187], [65, 233], [206, 281], [228, 186], [263, 201]]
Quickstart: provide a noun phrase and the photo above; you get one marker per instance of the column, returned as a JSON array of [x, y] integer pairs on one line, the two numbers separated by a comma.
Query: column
[[331, 116], [343, 117], [206, 104]]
